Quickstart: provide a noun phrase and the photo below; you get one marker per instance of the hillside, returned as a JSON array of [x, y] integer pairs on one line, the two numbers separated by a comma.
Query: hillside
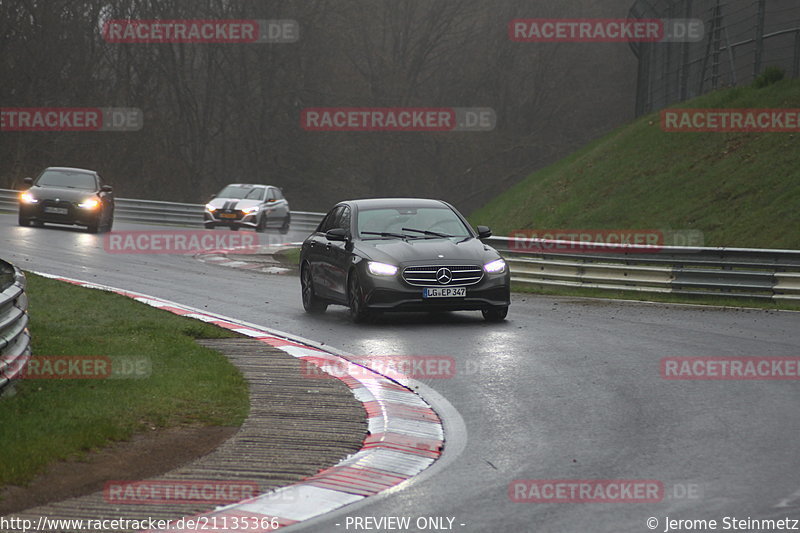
[[740, 189]]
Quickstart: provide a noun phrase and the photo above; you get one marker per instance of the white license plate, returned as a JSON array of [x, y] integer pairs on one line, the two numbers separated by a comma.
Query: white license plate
[[56, 210], [445, 292]]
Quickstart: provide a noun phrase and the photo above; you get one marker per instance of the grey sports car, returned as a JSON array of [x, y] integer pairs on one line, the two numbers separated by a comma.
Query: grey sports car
[[402, 254], [244, 205]]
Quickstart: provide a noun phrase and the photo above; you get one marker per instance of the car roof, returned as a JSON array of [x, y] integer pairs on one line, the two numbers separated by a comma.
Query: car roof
[[72, 169], [252, 185], [382, 203]]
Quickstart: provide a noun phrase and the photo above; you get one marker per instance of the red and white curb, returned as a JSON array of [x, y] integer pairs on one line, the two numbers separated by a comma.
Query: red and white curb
[[405, 435], [220, 257]]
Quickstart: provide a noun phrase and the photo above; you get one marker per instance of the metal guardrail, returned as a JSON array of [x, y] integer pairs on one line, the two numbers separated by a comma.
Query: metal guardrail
[[731, 272], [15, 345], [728, 272], [155, 212]]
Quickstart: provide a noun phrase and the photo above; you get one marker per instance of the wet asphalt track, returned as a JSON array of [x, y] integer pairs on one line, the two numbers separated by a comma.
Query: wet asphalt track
[[565, 389]]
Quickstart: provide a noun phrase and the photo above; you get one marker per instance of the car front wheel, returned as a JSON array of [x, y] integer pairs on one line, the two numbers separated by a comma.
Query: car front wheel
[[311, 303], [261, 227], [359, 312], [495, 314], [24, 221]]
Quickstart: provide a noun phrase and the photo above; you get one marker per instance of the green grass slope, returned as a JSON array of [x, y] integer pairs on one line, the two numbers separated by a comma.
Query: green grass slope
[[739, 189]]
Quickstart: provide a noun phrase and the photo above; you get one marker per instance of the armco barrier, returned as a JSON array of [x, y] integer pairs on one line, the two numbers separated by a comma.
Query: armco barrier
[[729, 272], [15, 345], [155, 212]]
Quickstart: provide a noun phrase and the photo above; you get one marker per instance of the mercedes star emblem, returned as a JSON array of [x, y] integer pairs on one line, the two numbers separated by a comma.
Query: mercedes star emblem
[[444, 276]]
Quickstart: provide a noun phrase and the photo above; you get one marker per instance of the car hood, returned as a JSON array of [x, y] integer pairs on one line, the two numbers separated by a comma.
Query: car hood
[[417, 251], [62, 193], [233, 203]]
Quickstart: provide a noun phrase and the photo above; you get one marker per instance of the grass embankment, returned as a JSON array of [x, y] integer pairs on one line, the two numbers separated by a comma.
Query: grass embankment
[[739, 189], [52, 419]]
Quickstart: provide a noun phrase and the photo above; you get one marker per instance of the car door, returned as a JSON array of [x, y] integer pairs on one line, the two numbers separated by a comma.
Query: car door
[[316, 250], [337, 254], [273, 218], [282, 206]]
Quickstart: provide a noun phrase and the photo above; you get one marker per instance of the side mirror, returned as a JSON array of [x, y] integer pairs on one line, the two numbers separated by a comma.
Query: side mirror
[[484, 232], [107, 188], [336, 234], [270, 200], [28, 181]]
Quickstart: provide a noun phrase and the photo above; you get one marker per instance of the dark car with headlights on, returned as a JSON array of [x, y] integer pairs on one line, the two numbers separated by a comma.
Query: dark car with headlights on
[[402, 254], [242, 205], [73, 196]]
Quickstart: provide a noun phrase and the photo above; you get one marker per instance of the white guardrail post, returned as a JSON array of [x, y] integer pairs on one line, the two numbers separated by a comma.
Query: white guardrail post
[[731, 272], [15, 341]]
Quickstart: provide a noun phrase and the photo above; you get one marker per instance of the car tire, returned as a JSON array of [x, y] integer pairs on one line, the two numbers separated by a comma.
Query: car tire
[[359, 312], [234, 228], [24, 221], [261, 227], [495, 314], [92, 228], [286, 223], [209, 225], [311, 303]]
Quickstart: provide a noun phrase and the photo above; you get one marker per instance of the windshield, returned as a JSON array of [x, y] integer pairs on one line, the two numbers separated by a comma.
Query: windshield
[[242, 193], [412, 222], [67, 179]]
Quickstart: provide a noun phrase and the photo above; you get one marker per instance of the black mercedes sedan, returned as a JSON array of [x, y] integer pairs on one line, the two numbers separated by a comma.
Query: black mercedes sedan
[[402, 254], [63, 195]]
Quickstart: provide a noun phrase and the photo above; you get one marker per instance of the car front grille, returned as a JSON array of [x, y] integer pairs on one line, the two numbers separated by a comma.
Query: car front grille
[[429, 276], [61, 204]]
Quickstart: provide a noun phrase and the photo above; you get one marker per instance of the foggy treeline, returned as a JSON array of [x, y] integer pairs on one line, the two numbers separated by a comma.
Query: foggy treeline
[[220, 113]]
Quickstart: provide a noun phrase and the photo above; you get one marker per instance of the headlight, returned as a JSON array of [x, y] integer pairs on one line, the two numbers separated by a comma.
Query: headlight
[[210, 208], [382, 269], [250, 210], [28, 198], [89, 203], [495, 267]]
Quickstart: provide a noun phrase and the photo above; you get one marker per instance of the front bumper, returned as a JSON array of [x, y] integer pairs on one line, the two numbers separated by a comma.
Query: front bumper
[[240, 220], [394, 294], [74, 215]]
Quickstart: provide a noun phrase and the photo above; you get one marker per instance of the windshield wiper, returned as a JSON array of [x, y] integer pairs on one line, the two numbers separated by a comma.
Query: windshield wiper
[[385, 234], [426, 232]]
